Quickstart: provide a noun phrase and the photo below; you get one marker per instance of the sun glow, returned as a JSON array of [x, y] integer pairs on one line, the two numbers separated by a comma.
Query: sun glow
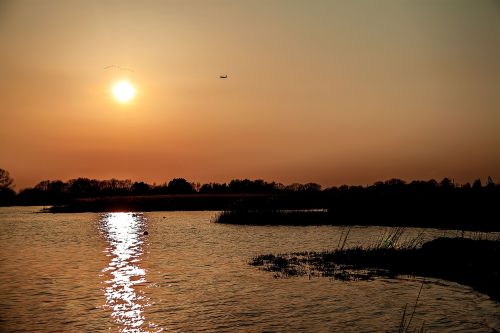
[[123, 91]]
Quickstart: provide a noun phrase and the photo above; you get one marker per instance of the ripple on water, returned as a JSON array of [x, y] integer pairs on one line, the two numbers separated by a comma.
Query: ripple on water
[[99, 272]]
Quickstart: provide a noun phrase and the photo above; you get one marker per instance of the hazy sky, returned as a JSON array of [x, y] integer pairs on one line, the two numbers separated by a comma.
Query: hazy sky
[[325, 91]]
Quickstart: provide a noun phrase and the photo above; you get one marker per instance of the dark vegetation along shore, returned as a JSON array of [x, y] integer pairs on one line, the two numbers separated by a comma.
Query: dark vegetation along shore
[[443, 204], [424, 218], [475, 263]]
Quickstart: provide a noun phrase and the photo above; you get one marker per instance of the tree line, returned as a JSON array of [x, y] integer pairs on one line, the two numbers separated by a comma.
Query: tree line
[[393, 190], [55, 191]]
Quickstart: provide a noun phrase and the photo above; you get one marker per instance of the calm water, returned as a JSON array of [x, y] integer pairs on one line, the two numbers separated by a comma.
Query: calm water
[[99, 272]]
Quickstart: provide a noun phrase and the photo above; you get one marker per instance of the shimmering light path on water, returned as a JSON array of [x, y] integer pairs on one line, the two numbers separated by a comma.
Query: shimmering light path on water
[[125, 233], [100, 273]]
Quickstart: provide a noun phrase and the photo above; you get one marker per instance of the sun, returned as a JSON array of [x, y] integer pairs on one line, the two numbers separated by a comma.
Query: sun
[[123, 91]]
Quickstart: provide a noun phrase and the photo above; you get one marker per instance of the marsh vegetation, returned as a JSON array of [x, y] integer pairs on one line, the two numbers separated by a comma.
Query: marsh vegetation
[[472, 262]]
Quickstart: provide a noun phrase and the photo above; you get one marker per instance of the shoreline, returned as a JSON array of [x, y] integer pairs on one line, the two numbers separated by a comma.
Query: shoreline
[[475, 263], [296, 209], [331, 217]]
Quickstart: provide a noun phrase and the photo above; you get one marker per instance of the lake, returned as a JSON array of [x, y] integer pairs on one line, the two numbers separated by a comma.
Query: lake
[[100, 272]]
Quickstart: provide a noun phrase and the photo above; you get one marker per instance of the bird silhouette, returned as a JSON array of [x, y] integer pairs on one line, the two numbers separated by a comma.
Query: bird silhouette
[[118, 67]]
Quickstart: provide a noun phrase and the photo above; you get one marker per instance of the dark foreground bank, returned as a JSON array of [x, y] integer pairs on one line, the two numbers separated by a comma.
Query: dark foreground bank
[[475, 263]]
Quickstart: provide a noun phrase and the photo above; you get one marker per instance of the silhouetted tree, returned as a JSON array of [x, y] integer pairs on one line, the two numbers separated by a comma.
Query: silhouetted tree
[[490, 185], [51, 190], [312, 187], [42, 186], [5, 180], [84, 187], [295, 187], [180, 186], [395, 182], [250, 186], [141, 188], [56, 187], [7, 192], [466, 186], [213, 188], [446, 184]]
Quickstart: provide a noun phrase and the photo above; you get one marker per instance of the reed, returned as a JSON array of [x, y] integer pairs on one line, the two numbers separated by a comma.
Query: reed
[[471, 262], [273, 217], [404, 326]]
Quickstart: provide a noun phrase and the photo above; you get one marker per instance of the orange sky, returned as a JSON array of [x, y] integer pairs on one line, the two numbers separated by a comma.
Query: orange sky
[[326, 91]]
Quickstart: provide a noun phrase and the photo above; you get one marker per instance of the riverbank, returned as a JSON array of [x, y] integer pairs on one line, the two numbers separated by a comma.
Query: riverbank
[[191, 202], [475, 263], [394, 202], [426, 218], [444, 211], [289, 209]]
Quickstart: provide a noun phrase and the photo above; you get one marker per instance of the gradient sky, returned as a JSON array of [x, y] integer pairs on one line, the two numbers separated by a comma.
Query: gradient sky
[[326, 91]]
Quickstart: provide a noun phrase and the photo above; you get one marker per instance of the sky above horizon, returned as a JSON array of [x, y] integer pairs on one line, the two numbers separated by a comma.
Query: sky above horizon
[[331, 92]]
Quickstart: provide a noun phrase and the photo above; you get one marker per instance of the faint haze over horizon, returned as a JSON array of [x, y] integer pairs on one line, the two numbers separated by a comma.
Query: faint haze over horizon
[[331, 92]]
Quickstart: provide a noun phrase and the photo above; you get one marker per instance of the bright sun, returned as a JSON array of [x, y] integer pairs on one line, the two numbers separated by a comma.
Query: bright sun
[[123, 91]]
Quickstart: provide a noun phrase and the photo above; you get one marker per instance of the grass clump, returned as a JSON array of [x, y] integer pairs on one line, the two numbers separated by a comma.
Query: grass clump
[[475, 263]]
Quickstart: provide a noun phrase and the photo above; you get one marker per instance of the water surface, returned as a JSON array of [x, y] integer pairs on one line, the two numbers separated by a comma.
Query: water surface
[[100, 272]]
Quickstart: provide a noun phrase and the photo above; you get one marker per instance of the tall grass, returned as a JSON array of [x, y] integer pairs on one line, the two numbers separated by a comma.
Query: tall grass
[[405, 324], [274, 217], [472, 262], [343, 238]]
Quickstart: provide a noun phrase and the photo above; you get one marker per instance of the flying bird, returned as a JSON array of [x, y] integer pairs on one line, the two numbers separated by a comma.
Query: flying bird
[[118, 67], [223, 76]]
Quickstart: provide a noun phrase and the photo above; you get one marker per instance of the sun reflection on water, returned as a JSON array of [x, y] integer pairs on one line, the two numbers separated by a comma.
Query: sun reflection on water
[[125, 234]]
